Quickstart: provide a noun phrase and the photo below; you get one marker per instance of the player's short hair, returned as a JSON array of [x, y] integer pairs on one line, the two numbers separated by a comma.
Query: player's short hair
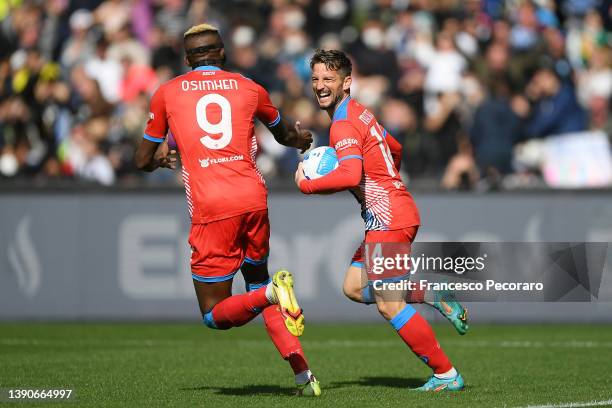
[[334, 60], [201, 29], [195, 54]]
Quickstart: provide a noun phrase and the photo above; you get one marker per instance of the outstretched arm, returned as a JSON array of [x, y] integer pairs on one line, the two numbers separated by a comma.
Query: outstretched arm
[[291, 136]]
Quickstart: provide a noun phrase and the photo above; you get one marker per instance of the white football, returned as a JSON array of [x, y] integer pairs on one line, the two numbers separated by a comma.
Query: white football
[[319, 161]]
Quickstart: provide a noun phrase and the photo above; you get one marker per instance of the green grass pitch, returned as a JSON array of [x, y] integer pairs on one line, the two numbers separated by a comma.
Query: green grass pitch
[[184, 365]]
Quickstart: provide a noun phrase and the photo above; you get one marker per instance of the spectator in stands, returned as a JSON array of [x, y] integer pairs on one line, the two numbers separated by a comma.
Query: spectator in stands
[[422, 66], [495, 130], [556, 110]]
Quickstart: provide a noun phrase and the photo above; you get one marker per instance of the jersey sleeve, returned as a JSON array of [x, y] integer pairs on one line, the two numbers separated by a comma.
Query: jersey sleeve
[[157, 125], [396, 150], [347, 141], [266, 111]]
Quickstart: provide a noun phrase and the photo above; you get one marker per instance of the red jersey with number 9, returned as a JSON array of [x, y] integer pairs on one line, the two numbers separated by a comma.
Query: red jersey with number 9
[[211, 114], [385, 203]]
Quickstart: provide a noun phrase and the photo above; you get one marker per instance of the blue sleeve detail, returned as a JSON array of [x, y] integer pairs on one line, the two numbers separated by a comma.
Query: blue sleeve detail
[[367, 295], [402, 317], [351, 156], [214, 278], [154, 139], [357, 264], [275, 121], [384, 133]]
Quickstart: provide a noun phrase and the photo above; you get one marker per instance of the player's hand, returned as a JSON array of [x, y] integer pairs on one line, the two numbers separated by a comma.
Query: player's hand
[[304, 138], [165, 157], [299, 175]]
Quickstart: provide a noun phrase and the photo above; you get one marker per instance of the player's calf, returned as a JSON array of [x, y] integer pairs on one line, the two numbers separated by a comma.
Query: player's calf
[[389, 309]]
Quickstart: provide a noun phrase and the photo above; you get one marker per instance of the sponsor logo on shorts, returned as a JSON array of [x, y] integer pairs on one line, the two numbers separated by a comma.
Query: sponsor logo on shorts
[[208, 161]]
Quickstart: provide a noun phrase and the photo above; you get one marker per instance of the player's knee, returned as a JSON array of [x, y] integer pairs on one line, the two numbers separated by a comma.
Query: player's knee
[[352, 291], [389, 310]]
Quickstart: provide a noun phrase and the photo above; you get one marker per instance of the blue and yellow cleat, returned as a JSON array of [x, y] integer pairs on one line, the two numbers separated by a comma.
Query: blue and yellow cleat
[[447, 304], [311, 389], [282, 284], [435, 384]]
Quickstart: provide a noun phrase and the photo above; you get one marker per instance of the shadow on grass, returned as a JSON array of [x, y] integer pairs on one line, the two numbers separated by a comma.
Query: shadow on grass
[[391, 382], [247, 390], [276, 390]]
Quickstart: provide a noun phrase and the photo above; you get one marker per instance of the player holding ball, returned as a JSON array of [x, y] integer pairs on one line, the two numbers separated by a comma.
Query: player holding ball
[[369, 160]]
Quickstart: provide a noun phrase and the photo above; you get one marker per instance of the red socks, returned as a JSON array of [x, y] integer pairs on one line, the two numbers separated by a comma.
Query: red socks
[[238, 310], [287, 344], [419, 336]]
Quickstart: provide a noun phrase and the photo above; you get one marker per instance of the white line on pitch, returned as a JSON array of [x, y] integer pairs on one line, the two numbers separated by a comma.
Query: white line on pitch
[[574, 404], [572, 344]]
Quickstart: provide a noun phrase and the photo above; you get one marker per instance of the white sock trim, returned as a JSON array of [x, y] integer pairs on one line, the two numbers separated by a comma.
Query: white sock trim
[[452, 373], [270, 295], [303, 377]]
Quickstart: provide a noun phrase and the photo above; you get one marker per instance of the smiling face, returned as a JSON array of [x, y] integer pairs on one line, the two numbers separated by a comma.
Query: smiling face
[[329, 86]]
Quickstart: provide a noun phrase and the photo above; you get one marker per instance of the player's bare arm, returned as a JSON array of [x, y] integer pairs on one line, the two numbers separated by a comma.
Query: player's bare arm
[[294, 136], [152, 155]]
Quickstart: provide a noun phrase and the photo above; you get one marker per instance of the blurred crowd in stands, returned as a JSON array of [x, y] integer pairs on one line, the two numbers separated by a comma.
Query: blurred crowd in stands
[[458, 82]]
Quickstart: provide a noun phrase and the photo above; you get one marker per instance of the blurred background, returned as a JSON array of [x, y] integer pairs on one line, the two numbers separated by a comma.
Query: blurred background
[[483, 94], [511, 97]]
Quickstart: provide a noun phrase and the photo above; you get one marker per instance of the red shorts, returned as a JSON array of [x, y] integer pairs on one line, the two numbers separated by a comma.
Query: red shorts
[[401, 235], [219, 248]]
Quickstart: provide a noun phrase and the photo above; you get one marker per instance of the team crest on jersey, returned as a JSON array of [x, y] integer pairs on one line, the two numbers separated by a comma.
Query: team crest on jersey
[[151, 116], [398, 184], [366, 117], [205, 162]]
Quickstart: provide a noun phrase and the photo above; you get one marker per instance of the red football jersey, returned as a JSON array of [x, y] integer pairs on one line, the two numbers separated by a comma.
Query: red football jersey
[[385, 203], [211, 113]]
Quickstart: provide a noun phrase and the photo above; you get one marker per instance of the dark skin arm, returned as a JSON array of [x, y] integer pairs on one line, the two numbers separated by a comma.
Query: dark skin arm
[[151, 155], [292, 137]]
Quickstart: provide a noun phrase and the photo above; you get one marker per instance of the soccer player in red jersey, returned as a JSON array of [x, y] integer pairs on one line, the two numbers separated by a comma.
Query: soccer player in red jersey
[[210, 114], [369, 160]]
